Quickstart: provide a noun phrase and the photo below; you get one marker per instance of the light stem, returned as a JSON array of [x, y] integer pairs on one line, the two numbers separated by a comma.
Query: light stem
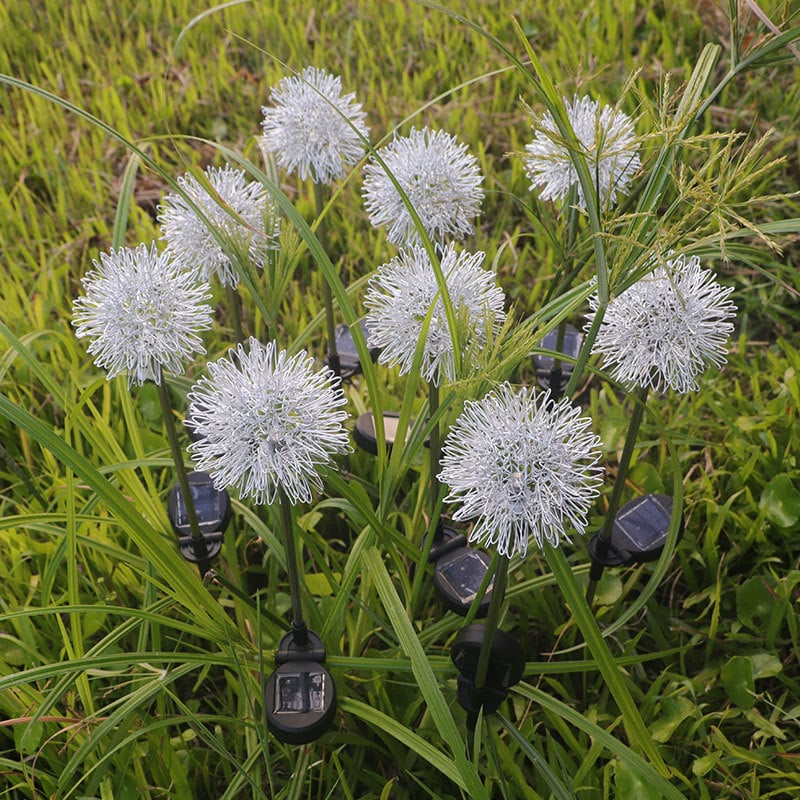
[[198, 541], [330, 324], [235, 312], [604, 537], [492, 622], [436, 445], [557, 371], [293, 573]]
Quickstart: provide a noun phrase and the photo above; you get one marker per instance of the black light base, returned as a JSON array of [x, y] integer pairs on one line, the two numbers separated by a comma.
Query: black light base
[[506, 665], [300, 702], [459, 571], [192, 550], [347, 363], [366, 437], [213, 509], [300, 696], [472, 700], [638, 535]]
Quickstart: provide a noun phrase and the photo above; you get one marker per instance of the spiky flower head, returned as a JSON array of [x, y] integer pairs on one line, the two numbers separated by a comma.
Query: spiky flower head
[[143, 313], [441, 179], [312, 127], [524, 466], [667, 328], [607, 140], [265, 422], [401, 294], [240, 211]]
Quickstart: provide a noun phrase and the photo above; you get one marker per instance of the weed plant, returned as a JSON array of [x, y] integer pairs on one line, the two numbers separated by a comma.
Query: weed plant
[[124, 674]]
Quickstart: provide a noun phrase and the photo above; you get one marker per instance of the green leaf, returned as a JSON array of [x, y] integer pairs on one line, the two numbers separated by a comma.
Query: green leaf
[[318, 584], [28, 737], [647, 478], [755, 604], [780, 500], [765, 665], [421, 668], [609, 589], [737, 678], [380, 721], [764, 724], [638, 734], [631, 785], [674, 710], [704, 765]]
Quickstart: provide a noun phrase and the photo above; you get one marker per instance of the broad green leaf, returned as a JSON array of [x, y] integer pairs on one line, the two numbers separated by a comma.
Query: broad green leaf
[[647, 478], [780, 500], [765, 665], [737, 678], [704, 765], [609, 589], [318, 584], [674, 710], [631, 785], [755, 604]]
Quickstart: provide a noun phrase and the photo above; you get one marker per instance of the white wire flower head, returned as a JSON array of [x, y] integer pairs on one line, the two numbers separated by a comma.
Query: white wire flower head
[[240, 211], [607, 140], [266, 422], [399, 298], [441, 179], [312, 127], [667, 328], [143, 313], [524, 466]]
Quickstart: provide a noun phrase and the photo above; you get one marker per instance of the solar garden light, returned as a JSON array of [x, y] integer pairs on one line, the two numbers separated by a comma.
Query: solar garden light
[[661, 333], [315, 129], [504, 454], [300, 695], [266, 423], [143, 313]]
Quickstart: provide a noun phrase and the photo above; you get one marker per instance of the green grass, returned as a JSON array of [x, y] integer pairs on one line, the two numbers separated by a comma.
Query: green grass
[[122, 675]]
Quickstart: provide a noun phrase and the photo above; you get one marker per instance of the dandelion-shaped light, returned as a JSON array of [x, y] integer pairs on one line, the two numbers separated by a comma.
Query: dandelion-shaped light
[[265, 422], [401, 294], [667, 328], [239, 210], [313, 128], [441, 179], [524, 466], [142, 312], [607, 139]]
